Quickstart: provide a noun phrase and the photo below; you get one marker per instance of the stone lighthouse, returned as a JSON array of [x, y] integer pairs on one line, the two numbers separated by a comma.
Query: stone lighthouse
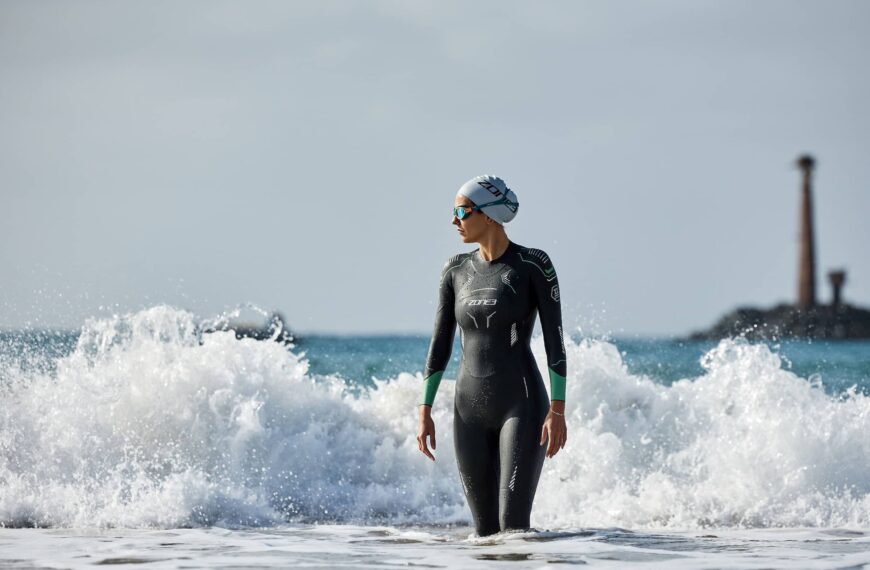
[[806, 248], [806, 318]]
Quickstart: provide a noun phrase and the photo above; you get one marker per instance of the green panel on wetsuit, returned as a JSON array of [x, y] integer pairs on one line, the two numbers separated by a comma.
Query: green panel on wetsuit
[[557, 386], [430, 387]]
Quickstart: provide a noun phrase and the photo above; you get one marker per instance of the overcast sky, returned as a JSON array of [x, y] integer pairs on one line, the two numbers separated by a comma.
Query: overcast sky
[[305, 156]]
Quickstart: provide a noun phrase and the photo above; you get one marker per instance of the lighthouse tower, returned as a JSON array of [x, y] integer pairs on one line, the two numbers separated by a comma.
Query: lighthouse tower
[[806, 248]]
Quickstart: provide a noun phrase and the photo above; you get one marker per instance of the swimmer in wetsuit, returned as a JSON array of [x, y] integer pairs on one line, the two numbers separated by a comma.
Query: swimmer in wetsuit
[[502, 415]]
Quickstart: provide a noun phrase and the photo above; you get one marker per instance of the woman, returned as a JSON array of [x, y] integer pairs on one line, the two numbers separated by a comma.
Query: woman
[[502, 415]]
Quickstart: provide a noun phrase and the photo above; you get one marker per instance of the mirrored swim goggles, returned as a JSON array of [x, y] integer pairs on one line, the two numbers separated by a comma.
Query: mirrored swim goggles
[[462, 212]]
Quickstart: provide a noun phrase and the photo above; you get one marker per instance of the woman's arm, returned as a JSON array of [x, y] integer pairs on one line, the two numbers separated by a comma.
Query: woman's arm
[[441, 345], [546, 287], [440, 349]]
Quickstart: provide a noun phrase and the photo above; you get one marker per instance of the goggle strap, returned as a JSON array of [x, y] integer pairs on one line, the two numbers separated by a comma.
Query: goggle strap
[[499, 201], [479, 206]]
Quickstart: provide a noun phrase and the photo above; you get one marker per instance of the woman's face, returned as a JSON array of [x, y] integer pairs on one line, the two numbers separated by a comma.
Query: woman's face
[[474, 226]]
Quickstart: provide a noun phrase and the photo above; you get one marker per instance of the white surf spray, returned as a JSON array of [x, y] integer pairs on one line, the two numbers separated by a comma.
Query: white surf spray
[[147, 423], [150, 423], [747, 444]]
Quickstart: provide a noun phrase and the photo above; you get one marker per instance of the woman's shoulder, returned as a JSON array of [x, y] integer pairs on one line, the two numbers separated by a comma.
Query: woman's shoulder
[[455, 262], [537, 261], [533, 253]]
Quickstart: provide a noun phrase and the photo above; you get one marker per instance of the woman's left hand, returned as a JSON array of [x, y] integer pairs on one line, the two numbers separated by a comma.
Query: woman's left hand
[[554, 430]]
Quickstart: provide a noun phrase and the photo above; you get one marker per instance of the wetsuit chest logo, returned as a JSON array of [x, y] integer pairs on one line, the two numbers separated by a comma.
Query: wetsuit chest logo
[[487, 302]]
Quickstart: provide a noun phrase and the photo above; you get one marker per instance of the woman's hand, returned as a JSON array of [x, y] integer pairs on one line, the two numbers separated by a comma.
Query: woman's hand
[[555, 428], [427, 428]]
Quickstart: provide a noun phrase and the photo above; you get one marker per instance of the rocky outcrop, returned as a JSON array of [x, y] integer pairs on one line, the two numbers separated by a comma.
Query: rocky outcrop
[[788, 321]]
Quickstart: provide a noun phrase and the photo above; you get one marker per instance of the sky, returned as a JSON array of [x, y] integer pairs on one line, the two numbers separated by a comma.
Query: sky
[[304, 156]]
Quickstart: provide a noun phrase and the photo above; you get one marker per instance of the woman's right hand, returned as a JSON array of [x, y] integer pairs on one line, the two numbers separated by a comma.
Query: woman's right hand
[[427, 428]]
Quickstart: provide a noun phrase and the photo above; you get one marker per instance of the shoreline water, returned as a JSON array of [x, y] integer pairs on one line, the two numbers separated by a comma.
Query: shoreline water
[[348, 546]]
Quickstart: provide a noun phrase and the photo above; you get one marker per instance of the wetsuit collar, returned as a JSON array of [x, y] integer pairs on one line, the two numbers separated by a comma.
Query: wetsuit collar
[[479, 261]]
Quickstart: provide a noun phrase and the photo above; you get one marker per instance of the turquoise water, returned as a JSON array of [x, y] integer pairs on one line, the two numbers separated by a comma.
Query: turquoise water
[[358, 359]]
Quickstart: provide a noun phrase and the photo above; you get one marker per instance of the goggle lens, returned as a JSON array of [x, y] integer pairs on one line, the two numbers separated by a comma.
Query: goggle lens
[[461, 212]]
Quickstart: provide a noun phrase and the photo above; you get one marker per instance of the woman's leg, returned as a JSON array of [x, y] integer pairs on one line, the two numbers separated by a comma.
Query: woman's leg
[[521, 459], [477, 456]]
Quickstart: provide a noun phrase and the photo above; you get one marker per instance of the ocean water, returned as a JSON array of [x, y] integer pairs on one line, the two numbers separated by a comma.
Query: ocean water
[[139, 439]]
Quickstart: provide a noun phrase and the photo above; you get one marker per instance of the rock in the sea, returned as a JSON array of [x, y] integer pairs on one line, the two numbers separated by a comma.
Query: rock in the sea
[[789, 321]]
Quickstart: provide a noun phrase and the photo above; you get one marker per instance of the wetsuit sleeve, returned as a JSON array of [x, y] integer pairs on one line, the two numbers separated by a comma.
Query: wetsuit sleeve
[[546, 287], [441, 345]]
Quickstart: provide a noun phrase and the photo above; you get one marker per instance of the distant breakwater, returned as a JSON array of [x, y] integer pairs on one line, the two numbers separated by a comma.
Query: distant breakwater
[[790, 321]]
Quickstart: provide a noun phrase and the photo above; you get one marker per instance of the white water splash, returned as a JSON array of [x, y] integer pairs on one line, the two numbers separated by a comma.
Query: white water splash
[[150, 423], [747, 444], [144, 426]]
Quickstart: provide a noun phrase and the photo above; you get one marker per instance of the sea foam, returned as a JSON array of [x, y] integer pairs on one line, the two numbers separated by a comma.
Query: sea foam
[[151, 423]]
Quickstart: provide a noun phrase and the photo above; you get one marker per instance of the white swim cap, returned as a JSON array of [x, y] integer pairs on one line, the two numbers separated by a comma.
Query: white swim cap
[[492, 196]]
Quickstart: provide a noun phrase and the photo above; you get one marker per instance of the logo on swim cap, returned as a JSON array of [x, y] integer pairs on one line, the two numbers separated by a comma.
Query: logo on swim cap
[[489, 186], [497, 192]]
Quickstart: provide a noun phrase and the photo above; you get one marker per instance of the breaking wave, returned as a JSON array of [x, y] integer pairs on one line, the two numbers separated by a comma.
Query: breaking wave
[[149, 422]]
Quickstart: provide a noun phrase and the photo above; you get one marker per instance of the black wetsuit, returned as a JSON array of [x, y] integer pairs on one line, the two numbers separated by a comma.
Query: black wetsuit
[[501, 402]]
